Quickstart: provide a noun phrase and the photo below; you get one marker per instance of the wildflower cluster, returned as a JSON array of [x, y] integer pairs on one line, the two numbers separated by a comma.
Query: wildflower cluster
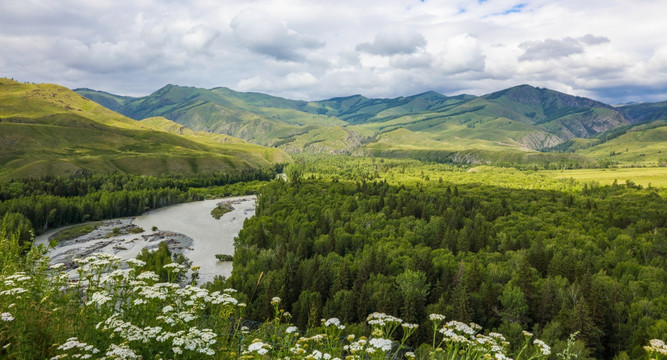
[[467, 341], [656, 349], [113, 310]]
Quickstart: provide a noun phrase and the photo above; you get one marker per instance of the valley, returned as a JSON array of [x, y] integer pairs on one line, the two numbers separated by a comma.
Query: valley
[[525, 211]]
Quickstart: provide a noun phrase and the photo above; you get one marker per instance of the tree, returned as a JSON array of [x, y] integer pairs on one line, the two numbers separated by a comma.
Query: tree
[[414, 289], [513, 304]]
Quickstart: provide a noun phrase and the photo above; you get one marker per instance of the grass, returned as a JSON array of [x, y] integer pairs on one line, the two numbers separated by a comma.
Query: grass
[[653, 176], [639, 147], [221, 209], [75, 231], [50, 130]]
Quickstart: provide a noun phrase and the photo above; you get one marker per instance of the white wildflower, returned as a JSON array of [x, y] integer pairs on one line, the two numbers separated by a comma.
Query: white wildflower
[[332, 321], [259, 347], [460, 327], [148, 275], [498, 336], [275, 300], [135, 262], [291, 329], [7, 317], [544, 348], [380, 343], [100, 298], [436, 317], [14, 291]]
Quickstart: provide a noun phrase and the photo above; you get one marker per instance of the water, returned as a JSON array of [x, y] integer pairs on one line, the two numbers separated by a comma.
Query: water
[[199, 235]]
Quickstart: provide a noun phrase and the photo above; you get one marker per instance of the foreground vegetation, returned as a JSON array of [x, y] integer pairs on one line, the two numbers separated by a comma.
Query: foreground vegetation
[[118, 311]]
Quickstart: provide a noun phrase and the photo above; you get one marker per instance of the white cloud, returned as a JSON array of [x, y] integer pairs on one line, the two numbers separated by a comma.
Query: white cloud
[[261, 33], [199, 38], [394, 42], [553, 48], [314, 50]]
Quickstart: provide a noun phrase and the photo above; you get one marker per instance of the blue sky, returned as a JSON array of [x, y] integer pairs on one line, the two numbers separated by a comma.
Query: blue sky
[[611, 50]]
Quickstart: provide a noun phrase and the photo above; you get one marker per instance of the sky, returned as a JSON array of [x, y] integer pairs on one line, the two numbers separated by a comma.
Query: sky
[[609, 50]]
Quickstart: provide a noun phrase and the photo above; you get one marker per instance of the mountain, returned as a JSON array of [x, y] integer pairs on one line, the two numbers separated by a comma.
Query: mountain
[[522, 123], [50, 130], [645, 112]]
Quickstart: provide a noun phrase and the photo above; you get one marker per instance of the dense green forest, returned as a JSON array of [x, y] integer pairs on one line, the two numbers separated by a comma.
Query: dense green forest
[[48, 202], [557, 259]]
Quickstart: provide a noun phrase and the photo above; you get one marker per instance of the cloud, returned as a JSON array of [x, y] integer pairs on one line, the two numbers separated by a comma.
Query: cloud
[[199, 38], [552, 48], [393, 42], [318, 49], [461, 54], [262, 34]]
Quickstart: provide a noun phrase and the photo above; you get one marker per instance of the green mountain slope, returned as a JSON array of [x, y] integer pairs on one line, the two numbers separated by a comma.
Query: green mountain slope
[[518, 122], [645, 112], [644, 144], [50, 130]]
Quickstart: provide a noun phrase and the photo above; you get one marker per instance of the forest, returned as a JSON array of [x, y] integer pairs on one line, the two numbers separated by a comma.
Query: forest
[[363, 242], [566, 258], [33, 205]]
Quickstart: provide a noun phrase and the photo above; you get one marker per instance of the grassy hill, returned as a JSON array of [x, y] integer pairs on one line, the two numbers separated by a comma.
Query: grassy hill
[[50, 130], [641, 145], [515, 124]]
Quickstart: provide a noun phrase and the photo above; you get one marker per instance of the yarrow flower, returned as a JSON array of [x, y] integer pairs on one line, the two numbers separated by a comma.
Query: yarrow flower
[[291, 329], [381, 344], [100, 298], [7, 317], [275, 300], [544, 348], [656, 345], [135, 262], [436, 317], [335, 323], [382, 319], [259, 347]]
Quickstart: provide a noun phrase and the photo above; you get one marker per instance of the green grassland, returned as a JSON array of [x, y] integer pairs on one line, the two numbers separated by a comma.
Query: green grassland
[[645, 176], [413, 172], [645, 147], [50, 130]]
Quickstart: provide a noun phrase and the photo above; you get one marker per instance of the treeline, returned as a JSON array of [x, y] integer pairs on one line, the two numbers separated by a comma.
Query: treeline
[[590, 262], [57, 201]]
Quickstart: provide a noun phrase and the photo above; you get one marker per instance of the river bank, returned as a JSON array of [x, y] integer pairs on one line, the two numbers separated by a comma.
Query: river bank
[[187, 228]]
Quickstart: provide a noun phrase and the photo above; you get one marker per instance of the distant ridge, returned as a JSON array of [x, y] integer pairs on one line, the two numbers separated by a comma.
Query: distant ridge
[[521, 124]]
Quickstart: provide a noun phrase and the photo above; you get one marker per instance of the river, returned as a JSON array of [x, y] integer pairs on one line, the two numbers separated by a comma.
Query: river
[[189, 228]]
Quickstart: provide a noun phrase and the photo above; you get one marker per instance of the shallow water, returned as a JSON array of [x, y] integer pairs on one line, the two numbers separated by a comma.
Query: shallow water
[[209, 236]]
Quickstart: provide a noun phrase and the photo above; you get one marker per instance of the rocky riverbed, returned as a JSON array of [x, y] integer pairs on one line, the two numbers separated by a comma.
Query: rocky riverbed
[[187, 228]]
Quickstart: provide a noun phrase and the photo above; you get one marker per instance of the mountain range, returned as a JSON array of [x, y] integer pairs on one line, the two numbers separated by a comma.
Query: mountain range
[[522, 124], [50, 130]]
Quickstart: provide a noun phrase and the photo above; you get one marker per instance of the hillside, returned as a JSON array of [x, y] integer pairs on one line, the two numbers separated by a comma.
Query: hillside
[[643, 144], [50, 130], [512, 125]]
